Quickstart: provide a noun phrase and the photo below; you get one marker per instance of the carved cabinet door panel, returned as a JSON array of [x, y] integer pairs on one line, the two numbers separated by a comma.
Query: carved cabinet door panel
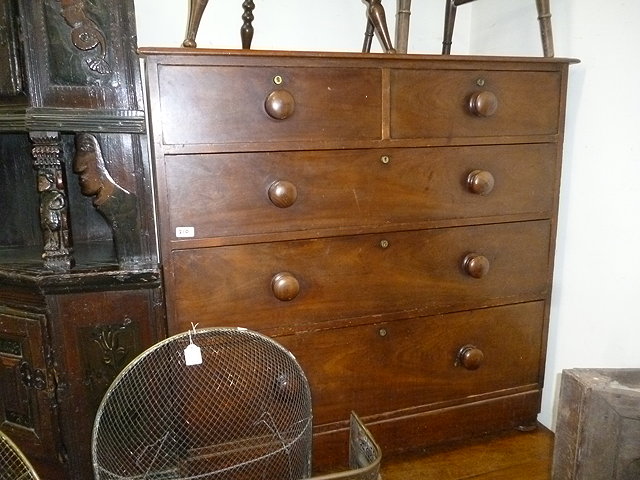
[[95, 335], [27, 390]]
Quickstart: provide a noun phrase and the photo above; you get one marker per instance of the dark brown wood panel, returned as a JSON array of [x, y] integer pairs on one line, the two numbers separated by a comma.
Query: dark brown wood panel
[[213, 195], [11, 74], [220, 105], [419, 357], [347, 277], [97, 334], [435, 103], [27, 388]]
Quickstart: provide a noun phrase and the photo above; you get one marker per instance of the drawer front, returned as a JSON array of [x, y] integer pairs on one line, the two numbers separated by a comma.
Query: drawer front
[[353, 368], [216, 105], [299, 283], [298, 191], [467, 103]]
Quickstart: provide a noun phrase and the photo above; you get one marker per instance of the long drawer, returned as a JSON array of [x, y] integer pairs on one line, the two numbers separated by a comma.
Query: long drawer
[[259, 193], [474, 103], [296, 284], [418, 362]]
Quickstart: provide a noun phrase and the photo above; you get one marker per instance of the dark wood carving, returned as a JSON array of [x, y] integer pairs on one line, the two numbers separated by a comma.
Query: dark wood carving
[[117, 205], [54, 205], [86, 35], [105, 350], [78, 66], [73, 309]]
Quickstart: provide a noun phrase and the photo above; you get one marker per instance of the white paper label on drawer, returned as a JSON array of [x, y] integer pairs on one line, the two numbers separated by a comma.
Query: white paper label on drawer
[[185, 232]]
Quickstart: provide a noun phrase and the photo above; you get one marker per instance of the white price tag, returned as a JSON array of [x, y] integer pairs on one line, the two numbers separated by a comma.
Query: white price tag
[[192, 354], [185, 232]]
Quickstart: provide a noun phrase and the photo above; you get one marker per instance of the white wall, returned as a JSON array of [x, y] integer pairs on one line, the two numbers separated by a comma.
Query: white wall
[[595, 320], [330, 25], [594, 315]]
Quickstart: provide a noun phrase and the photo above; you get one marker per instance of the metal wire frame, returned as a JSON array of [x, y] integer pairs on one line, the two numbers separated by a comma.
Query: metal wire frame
[[13, 464], [242, 411]]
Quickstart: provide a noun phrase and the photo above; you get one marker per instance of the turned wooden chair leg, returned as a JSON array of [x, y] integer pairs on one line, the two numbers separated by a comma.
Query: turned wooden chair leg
[[368, 37], [402, 25], [544, 17], [546, 34], [196, 9], [246, 31], [449, 20], [376, 17]]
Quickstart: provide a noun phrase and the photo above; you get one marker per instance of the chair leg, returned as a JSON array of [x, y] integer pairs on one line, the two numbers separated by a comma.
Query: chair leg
[[402, 25], [546, 34], [246, 31], [449, 21], [196, 9], [368, 37], [376, 16]]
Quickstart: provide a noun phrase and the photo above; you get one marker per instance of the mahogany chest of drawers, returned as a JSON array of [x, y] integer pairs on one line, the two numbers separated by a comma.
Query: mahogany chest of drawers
[[390, 219]]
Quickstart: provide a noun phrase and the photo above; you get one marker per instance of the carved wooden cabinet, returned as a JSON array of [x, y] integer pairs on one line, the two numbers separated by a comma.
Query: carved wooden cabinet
[[61, 345], [389, 219], [80, 286]]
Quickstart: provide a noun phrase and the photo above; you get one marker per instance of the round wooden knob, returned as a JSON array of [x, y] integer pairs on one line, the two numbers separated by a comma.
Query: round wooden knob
[[470, 357], [476, 265], [285, 286], [280, 104], [483, 104], [283, 194], [480, 182]]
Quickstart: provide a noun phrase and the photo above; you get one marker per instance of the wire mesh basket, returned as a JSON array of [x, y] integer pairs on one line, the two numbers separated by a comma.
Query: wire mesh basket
[[239, 408], [13, 464]]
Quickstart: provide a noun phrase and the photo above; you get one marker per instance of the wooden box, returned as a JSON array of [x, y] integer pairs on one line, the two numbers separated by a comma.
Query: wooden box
[[598, 428]]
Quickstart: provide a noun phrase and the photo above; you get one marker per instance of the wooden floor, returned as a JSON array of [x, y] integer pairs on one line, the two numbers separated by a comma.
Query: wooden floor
[[510, 456]]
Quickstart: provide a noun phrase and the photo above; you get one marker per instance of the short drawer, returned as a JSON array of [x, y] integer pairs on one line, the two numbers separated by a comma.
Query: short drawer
[[247, 194], [468, 103], [406, 364], [296, 284], [222, 105]]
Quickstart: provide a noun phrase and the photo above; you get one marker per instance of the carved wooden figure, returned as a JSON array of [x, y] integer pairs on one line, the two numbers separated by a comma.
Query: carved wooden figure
[[118, 206], [54, 206]]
